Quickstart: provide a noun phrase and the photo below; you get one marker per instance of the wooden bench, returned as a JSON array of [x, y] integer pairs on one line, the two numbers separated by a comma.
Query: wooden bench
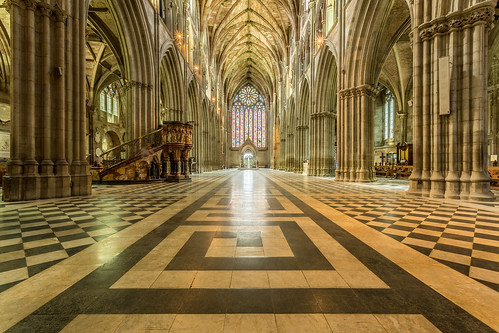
[[384, 170], [395, 171], [403, 171]]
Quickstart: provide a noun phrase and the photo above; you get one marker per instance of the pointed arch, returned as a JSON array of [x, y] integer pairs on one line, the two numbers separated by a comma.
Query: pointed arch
[[172, 86], [326, 81], [303, 116]]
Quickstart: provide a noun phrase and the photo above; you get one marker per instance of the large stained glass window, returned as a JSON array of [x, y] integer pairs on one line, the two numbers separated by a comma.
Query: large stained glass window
[[248, 118]]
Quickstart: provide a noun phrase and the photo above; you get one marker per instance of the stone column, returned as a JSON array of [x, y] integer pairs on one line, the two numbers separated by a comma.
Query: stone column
[[366, 171], [426, 111], [415, 180], [349, 132], [356, 135], [47, 181], [452, 178], [185, 163], [340, 171], [30, 172], [63, 103], [81, 178], [282, 162], [480, 179], [175, 166], [291, 153], [13, 180], [452, 152], [327, 160], [437, 187], [48, 101], [314, 146]]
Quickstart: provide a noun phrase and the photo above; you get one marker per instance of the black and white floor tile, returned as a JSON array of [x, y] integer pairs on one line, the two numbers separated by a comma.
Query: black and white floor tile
[[243, 251], [36, 237]]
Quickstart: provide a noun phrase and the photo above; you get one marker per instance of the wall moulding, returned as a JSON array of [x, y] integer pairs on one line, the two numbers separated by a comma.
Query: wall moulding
[[482, 13], [43, 8], [364, 90]]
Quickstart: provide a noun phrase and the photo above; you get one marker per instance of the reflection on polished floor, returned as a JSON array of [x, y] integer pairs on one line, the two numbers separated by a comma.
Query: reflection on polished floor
[[250, 251]]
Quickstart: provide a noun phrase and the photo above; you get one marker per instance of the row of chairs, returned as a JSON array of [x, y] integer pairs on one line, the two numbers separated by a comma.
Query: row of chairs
[[404, 172]]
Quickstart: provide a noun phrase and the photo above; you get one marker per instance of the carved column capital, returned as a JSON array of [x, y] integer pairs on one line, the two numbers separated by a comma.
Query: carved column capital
[[58, 14], [31, 4], [480, 14], [9, 3], [45, 9]]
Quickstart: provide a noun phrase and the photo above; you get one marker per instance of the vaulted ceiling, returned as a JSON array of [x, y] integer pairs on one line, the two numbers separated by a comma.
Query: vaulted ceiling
[[104, 54], [249, 40]]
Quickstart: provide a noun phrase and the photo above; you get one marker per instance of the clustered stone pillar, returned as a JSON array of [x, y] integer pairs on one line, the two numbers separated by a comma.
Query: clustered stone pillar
[[140, 99], [283, 149], [290, 155], [301, 149], [450, 149], [321, 145], [356, 135], [48, 156]]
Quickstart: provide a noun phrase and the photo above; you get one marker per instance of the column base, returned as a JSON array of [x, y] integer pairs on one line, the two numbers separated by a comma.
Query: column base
[[350, 175], [31, 181], [426, 186], [437, 185], [47, 180], [480, 187], [12, 188], [178, 179], [12, 181], [452, 186], [62, 179], [81, 185], [415, 184], [465, 185], [364, 176]]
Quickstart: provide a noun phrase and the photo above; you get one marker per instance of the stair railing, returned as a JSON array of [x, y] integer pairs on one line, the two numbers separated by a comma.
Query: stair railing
[[129, 149]]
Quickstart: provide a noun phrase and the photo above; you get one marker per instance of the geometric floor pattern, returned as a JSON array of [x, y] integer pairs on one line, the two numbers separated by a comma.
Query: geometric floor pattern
[[463, 238], [248, 251], [35, 238]]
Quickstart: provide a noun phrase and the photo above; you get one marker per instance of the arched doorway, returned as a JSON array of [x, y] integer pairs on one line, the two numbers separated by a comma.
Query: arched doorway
[[248, 160], [248, 155]]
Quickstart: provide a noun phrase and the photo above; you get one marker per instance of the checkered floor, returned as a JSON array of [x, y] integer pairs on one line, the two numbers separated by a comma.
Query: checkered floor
[[463, 238], [159, 188], [324, 185], [37, 237]]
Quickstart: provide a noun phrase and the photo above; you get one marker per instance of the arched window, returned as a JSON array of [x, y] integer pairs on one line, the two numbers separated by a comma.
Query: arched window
[[248, 118], [109, 104], [389, 113]]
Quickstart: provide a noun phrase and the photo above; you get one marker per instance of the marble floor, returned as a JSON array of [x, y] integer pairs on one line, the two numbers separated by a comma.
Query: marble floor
[[250, 251]]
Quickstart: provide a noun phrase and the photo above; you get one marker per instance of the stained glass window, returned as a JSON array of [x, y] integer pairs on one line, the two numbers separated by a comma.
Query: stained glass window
[[248, 118], [389, 115]]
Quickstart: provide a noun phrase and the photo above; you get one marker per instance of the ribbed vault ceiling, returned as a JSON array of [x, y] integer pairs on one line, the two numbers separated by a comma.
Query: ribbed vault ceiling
[[249, 38]]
